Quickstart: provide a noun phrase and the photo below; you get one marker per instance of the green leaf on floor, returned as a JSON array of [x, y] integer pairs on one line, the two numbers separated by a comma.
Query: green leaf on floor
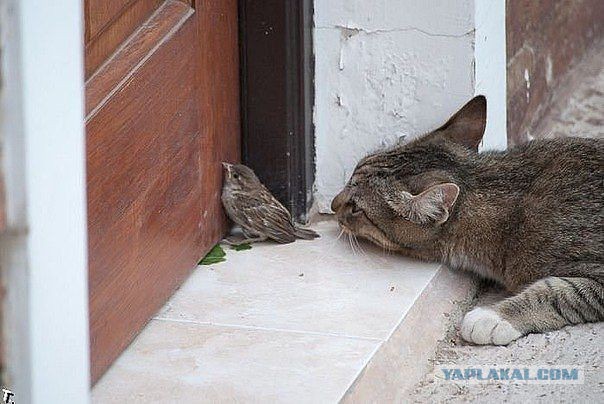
[[212, 260], [215, 256], [242, 247]]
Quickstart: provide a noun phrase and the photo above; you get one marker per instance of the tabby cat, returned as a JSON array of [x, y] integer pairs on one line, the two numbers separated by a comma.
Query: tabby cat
[[530, 218]]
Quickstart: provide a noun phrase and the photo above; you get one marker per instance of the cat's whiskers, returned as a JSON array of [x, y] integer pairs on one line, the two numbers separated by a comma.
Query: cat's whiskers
[[358, 244], [334, 242], [353, 240], [345, 230], [385, 251], [350, 243], [352, 246]]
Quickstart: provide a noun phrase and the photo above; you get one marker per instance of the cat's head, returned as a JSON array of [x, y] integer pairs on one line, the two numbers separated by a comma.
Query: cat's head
[[404, 195]]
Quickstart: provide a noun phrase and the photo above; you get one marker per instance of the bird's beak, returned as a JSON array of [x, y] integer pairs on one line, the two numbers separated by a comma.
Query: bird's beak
[[227, 168]]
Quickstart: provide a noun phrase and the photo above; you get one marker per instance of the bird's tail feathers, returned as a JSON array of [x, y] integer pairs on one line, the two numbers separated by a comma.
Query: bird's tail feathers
[[306, 234]]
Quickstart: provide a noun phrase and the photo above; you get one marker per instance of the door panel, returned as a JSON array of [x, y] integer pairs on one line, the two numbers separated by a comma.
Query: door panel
[[162, 113], [101, 14], [109, 24]]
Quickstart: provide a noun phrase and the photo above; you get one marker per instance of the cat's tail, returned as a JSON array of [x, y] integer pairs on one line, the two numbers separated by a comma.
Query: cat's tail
[[547, 304], [305, 234]]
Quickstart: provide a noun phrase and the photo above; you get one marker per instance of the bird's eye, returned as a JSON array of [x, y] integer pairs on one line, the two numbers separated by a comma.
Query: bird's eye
[[236, 176]]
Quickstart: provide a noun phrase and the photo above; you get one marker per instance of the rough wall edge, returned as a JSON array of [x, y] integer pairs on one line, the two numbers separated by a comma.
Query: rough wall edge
[[491, 69], [401, 361], [328, 174]]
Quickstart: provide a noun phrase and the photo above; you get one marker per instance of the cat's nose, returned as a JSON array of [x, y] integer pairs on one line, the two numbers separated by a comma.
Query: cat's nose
[[340, 200]]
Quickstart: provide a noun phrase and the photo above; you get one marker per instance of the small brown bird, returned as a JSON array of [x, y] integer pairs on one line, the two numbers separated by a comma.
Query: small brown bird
[[250, 205]]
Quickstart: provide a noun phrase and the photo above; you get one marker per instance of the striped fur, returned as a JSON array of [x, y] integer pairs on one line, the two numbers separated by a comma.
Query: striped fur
[[553, 302], [530, 218]]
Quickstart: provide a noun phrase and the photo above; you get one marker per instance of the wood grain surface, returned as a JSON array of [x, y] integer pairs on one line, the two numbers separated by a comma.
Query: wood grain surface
[[108, 24], [162, 114]]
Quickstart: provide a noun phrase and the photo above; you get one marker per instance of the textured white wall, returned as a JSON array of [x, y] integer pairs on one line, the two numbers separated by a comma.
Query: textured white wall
[[490, 69], [43, 259], [384, 69]]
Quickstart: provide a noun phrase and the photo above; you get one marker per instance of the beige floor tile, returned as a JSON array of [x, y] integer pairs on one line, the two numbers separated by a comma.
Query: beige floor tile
[[277, 323], [189, 363], [317, 286]]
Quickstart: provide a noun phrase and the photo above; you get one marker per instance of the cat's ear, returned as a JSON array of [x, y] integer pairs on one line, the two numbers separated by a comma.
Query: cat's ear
[[431, 206], [467, 126], [434, 204]]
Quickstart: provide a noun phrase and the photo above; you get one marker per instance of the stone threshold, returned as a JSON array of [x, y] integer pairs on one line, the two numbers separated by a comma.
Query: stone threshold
[[312, 321]]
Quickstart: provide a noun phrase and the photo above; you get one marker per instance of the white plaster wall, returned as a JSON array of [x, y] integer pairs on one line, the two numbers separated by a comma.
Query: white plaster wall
[[385, 69], [490, 68]]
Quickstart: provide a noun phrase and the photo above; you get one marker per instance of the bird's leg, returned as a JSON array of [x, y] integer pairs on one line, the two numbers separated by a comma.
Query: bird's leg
[[247, 238]]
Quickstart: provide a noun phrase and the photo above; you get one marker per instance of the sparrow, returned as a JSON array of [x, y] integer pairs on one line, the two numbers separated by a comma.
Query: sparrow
[[261, 216]]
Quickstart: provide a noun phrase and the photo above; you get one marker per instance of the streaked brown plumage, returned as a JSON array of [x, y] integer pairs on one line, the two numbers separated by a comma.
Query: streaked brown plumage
[[250, 205]]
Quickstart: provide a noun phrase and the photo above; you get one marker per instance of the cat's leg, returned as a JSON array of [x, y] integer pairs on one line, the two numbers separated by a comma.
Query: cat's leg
[[547, 304]]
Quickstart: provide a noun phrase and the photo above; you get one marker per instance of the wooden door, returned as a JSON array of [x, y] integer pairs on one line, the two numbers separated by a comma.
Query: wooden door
[[162, 112]]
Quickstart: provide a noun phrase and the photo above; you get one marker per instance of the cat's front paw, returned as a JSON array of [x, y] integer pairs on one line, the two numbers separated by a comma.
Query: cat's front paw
[[484, 326]]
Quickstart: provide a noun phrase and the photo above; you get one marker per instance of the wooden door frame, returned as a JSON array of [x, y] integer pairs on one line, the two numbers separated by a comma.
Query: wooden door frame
[[277, 97]]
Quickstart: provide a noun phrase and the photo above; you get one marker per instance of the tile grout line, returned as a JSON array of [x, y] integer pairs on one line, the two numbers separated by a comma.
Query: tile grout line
[[251, 327]]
